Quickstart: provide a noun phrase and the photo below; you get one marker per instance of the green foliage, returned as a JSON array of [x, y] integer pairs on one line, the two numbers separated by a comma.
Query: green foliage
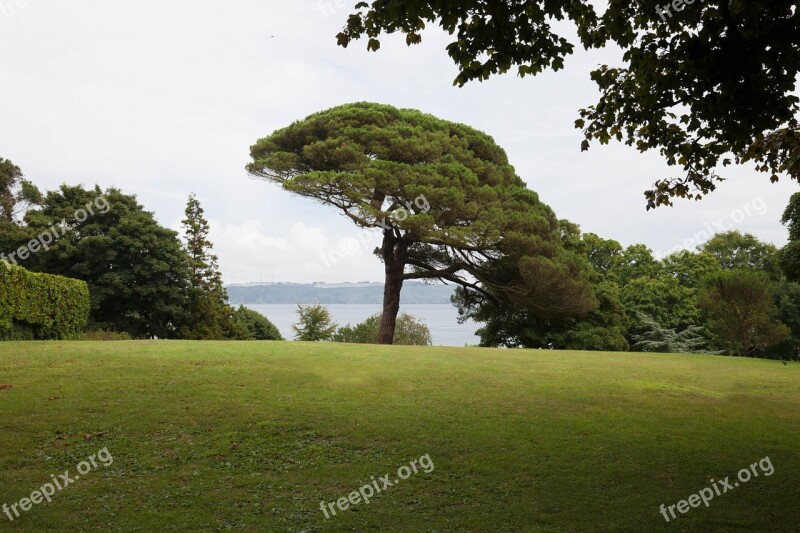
[[655, 338], [16, 193], [408, 331], [101, 335], [135, 268], [633, 262], [209, 315], [790, 254], [664, 299], [741, 312], [656, 305], [315, 324], [603, 328], [38, 306], [669, 294], [448, 203], [255, 326], [665, 291], [786, 296], [603, 254], [690, 269], [678, 90], [743, 251]]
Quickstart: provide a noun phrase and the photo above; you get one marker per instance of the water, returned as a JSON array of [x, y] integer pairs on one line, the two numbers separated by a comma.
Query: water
[[441, 319]]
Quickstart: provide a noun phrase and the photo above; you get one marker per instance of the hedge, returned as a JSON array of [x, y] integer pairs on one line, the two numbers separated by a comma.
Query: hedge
[[36, 306]]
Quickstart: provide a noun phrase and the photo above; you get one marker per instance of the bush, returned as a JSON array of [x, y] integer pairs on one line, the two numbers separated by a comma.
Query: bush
[[408, 331], [102, 335], [255, 326], [37, 306], [315, 324]]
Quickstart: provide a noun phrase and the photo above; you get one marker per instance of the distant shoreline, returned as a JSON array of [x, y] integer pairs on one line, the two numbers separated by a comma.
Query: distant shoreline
[[414, 292]]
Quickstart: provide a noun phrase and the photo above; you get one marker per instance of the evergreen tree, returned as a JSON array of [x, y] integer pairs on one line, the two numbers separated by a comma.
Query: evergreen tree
[[444, 196], [656, 338], [211, 316]]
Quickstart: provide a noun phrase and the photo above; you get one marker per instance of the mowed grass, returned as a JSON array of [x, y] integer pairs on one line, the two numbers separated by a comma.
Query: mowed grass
[[212, 436]]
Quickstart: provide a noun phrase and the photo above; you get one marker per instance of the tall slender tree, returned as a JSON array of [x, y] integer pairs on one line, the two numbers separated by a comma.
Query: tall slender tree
[[211, 316]]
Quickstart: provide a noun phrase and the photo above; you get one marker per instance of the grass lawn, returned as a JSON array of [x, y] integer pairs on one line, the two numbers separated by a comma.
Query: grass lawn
[[253, 436]]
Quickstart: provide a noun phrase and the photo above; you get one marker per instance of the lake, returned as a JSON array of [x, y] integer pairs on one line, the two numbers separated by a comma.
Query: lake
[[441, 319]]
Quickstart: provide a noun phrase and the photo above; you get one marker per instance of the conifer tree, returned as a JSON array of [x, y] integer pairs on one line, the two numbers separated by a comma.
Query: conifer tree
[[211, 316], [657, 338]]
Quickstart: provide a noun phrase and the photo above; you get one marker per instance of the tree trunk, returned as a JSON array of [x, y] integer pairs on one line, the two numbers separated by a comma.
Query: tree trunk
[[393, 252]]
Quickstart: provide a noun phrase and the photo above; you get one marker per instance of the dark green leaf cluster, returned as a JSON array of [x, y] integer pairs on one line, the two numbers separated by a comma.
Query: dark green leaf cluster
[[705, 85], [136, 269], [742, 313], [255, 326]]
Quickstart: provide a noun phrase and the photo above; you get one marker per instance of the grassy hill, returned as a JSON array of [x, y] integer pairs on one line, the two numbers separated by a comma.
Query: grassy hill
[[253, 436]]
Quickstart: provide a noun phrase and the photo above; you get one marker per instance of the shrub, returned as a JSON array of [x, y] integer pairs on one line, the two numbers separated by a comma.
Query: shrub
[[102, 335], [408, 331], [36, 306], [256, 326], [315, 324]]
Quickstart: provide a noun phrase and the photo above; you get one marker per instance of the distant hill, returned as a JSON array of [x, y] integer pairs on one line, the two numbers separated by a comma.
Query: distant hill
[[414, 292]]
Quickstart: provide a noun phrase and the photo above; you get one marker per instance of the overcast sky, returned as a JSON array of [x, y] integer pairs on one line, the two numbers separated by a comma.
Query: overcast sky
[[162, 99]]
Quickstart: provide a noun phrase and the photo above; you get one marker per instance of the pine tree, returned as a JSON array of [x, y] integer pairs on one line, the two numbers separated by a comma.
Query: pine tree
[[211, 316]]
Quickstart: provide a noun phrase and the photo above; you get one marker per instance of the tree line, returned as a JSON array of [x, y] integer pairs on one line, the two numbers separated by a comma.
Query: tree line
[[450, 208], [532, 279], [144, 280], [734, 295]]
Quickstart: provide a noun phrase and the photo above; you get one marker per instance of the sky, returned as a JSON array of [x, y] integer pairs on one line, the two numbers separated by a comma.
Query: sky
[[164, 99]]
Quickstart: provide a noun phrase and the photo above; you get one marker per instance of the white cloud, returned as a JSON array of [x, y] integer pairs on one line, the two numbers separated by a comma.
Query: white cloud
[[303, 254]]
